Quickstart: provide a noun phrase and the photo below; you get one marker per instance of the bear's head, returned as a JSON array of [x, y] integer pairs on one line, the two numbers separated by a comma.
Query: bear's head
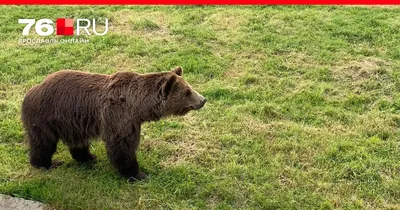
[[178, 95]]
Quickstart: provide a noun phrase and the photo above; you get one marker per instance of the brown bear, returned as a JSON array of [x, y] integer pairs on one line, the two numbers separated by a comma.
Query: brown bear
[[76, 107]]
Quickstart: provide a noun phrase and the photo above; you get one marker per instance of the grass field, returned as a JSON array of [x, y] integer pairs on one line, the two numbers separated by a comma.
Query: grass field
[[303, 111]]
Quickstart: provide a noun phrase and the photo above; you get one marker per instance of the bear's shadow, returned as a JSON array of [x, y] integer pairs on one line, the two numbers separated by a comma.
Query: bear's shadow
[[79, 165]]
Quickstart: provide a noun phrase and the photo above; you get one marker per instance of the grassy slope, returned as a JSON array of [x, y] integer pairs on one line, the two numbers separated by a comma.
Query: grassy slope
[[303, 108]]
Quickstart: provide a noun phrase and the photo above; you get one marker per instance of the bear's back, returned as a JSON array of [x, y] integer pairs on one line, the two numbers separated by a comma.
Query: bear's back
[[66, 100]]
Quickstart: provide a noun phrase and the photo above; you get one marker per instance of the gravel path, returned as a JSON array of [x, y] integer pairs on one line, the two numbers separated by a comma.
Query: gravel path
[[11, 203]]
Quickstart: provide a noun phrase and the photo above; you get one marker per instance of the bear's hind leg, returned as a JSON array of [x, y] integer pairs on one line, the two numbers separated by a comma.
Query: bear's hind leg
[[43, 145], [82, 154]]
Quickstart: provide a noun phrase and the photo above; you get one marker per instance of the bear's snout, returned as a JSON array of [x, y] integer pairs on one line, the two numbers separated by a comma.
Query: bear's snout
[[201, 104]]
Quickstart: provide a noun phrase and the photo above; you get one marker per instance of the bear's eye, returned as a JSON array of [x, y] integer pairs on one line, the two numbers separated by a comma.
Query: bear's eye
[[188, 92]]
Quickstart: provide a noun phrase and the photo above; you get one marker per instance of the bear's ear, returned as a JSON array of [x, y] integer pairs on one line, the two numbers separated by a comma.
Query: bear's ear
[[168, 85], [178, 71]]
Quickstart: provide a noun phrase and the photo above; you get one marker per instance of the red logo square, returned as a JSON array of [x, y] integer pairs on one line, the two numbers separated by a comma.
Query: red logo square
[[65, 26]]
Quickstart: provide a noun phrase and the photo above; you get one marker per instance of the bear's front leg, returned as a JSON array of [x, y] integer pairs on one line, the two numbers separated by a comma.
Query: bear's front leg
[[122, 154]]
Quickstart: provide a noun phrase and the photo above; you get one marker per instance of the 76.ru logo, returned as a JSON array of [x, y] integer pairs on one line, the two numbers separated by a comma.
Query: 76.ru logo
[[64, 26]]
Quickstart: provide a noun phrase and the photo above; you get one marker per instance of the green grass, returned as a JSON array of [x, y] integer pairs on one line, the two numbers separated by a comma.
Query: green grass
[[303, 111]]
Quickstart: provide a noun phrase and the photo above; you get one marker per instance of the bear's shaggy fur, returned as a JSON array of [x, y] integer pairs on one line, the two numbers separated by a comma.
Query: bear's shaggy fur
[[76, 107]]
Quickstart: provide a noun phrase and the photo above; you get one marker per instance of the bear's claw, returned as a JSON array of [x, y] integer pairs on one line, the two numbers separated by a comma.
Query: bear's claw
[[56, 163], [92, 158], [139, 177]]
